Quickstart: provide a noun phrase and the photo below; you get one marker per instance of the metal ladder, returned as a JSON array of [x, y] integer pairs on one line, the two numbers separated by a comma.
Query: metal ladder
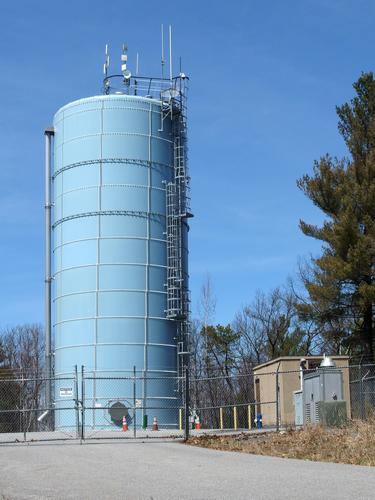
[[178, 299]]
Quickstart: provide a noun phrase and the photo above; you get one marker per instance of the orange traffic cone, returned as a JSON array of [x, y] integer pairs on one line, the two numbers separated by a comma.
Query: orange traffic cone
[[155, 426], [124, 424], [197, 423]]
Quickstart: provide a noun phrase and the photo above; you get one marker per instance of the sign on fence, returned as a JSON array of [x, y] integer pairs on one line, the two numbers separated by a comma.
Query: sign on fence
[[66, 392]]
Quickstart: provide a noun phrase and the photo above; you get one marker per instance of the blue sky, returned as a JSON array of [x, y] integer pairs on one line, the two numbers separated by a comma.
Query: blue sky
[[265, 79]]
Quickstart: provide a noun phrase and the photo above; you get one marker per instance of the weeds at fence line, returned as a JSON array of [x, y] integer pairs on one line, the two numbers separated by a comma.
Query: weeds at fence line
[[352, 444]]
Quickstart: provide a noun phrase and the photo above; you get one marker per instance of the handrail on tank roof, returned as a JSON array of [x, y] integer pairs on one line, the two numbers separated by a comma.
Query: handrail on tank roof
[[147, 86]]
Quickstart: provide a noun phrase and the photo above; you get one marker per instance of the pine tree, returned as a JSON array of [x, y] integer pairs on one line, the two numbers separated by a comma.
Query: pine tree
[[341, 285], [221, 342]]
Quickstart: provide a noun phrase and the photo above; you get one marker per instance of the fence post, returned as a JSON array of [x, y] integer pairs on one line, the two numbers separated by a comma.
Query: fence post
[[76, 403], [221, 418], [235, 423], [249, 416], [277, 399], [144, 401], [82, 403], [23, 409], [361, 399], [187, 403], [134, 402]]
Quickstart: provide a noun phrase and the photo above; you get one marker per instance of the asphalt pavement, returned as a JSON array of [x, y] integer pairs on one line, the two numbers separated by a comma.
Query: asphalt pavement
[[170, 470]]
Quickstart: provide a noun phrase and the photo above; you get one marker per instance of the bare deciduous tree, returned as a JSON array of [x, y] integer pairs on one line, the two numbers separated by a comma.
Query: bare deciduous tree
[[270, 327], [23, 349], [22, 352]]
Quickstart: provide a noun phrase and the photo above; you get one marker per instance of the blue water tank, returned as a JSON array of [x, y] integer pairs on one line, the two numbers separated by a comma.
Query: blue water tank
[[113, 158]]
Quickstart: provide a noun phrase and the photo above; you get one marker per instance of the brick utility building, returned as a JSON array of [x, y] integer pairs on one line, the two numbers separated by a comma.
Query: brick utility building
[[289, 380]]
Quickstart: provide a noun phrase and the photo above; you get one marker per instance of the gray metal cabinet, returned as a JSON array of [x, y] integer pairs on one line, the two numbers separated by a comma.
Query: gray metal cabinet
[[323, 386]]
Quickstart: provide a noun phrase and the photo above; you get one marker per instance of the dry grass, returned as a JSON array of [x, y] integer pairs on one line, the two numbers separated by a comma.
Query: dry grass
[[353, 444]]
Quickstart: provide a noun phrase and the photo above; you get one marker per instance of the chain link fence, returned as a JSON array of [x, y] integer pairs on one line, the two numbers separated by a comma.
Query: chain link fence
[[362, 391], [280, 399], [26, 415], [227, 403], [138, 404]]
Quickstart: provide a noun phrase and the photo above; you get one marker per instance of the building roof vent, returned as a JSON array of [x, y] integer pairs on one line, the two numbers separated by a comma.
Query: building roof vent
[[327, 362]]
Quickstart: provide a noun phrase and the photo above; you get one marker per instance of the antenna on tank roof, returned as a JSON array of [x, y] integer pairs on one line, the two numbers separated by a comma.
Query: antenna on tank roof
[[137, 65], [106, 61], [162, 51], [124, 59], [170, 52]]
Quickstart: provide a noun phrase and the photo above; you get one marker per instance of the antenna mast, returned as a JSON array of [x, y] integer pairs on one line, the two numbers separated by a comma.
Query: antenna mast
[[106, 61], [124, 59], [162, 51], [170, 52]]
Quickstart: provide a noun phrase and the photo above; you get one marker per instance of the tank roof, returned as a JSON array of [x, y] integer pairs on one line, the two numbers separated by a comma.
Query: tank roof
[[104, 97]]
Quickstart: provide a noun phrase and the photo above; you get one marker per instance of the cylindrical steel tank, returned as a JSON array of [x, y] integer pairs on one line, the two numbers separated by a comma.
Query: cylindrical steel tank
[[113, 157]]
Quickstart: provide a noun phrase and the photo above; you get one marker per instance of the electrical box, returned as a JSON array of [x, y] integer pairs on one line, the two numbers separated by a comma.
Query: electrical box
[[323, 397], [298, 408], [333, 413]]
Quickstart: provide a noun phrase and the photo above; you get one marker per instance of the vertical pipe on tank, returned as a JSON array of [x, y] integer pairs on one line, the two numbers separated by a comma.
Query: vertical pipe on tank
[[147, 282], [48, 134]]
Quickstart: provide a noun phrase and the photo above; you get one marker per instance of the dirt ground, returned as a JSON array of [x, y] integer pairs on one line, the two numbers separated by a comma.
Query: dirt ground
[[353, 444]]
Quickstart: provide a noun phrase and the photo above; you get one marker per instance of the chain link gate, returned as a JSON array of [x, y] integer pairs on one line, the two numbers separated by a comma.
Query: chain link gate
[[131, 405]]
